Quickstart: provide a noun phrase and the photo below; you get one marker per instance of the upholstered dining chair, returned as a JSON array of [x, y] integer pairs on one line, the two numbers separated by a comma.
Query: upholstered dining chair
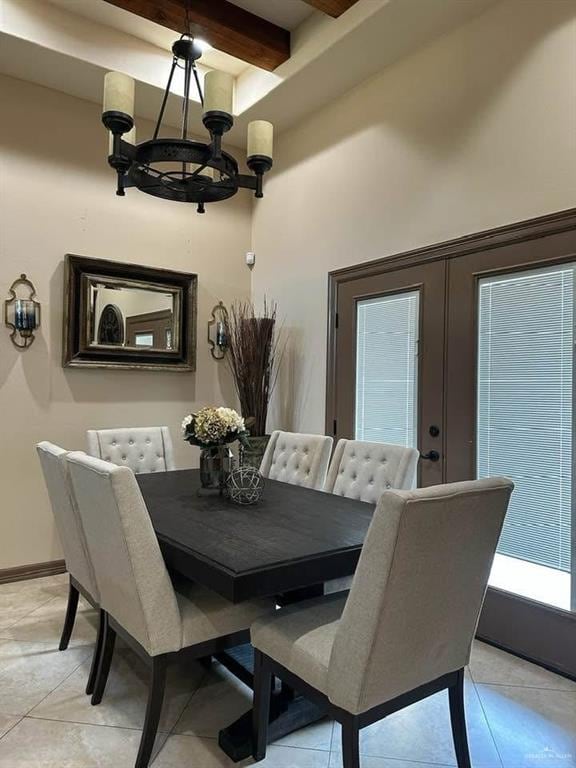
[[142, 449], [73, 540], [137, 597], [296, 458], [406, 628], [363, 471]]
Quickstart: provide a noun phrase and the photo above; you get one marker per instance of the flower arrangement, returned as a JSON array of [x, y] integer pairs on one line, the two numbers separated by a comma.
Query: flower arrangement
[[212, 427]]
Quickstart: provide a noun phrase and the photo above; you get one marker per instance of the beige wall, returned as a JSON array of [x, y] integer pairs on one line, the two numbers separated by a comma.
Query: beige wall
[[57, 196], [475, 131]]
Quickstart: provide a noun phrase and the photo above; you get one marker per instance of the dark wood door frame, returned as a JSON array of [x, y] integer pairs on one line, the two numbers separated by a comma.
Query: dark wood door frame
[[550, 649], [154, 323], [429, 281], [522, 231]]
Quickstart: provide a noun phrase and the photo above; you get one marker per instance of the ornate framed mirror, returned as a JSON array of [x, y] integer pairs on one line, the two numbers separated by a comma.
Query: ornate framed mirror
[[119, 315]]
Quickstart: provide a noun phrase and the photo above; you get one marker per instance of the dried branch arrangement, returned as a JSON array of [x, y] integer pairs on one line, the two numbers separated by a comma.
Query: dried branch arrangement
[[252, 357]]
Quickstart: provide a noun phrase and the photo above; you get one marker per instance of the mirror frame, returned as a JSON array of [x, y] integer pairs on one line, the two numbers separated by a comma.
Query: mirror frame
[[79, 353]]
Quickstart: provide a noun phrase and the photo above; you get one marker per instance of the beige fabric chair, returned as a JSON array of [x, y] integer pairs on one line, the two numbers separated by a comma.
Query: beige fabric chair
[[136, 592], [298, 459], [142, 449], [364, 471], [406, 629], [73, 540]]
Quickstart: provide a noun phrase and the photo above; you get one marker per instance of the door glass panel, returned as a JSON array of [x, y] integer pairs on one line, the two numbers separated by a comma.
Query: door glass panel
[[387, 369], [525, 424]]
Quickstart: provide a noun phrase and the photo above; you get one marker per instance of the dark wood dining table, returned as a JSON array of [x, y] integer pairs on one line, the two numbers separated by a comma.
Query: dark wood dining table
[[287, 545]]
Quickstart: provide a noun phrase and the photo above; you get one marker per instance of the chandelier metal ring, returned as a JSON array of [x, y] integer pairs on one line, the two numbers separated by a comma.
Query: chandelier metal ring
[[182, 169]]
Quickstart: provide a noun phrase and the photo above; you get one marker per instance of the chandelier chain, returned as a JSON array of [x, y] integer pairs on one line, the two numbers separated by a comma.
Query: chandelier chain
[[187, 18]]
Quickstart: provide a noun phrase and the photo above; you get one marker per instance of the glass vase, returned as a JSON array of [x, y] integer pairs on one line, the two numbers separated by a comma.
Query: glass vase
[[252, 455], [215, 467]]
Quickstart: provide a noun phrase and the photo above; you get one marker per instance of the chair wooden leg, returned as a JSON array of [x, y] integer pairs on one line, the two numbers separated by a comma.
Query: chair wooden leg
[[458, 720], [96, 655], [109, 638], [261, 706], [350, 743], [153, 711], [70, 617]]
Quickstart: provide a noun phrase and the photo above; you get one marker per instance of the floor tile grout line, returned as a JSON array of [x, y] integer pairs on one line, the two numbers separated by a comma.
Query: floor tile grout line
[[303, 749], [76, 668], [397, 759], [411, 761], [276, 746], [19, 720], [332, 737], [299, 746], [525, 687], [83, 722], [337, 752], [7, 671], [205, 674], [27, 615], [31, 716], [215, 738], [485, 713]]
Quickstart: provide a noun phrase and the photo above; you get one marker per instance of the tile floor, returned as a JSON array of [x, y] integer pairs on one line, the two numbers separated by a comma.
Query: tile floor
[[519, 715]]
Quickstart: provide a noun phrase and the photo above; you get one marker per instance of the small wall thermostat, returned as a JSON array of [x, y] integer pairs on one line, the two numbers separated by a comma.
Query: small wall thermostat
[[250, 258]]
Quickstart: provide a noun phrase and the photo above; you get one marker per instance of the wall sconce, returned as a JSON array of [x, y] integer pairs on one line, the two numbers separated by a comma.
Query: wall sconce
[[217, 337], [22, 314]]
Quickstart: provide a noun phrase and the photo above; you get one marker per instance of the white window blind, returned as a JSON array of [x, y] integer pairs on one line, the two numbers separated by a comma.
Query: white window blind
[[524, 417], [387, 369]]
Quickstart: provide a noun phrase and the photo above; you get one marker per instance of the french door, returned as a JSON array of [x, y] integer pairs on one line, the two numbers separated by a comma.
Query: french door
[[389, 376], [510, 411], [466, 351]]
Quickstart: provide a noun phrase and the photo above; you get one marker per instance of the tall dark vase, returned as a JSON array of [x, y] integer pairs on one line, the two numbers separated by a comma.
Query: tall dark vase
[[215, 467], [252, 455]]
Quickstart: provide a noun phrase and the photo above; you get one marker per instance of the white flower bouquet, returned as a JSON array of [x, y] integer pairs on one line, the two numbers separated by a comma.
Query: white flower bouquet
[[212, 427]]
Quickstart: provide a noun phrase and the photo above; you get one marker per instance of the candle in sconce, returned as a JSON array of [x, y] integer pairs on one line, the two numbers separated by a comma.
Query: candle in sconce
[[25, 315], [221, 340]]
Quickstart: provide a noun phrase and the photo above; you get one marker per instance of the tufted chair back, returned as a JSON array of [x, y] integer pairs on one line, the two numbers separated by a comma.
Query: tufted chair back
[[297, 459], [142, 449], [67, 517], [418, 590], [364, 471], [134, 585]]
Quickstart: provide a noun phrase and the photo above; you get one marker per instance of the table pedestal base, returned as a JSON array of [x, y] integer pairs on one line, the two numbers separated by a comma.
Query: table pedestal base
[[287, 714], [288, 711]]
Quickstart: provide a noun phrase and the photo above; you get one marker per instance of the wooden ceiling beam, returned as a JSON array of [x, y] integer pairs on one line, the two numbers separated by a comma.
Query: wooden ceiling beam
[[224, 25], [333, 8]]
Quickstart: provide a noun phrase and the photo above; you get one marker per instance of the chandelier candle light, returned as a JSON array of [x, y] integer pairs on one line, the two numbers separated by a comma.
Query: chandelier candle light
[[179, 168]]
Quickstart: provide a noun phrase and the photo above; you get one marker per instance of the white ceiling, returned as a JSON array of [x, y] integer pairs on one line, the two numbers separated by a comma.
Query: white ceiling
[[116, 18], [285, 13], [68, 45]]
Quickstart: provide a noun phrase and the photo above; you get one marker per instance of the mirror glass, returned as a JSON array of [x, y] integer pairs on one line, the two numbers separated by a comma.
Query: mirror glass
[[131, 315]]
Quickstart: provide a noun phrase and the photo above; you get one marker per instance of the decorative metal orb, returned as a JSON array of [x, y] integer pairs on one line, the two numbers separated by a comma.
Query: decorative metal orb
[[245, 485]]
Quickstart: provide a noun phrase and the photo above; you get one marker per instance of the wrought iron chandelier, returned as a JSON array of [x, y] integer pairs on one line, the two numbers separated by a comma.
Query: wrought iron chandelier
[[179, 168]]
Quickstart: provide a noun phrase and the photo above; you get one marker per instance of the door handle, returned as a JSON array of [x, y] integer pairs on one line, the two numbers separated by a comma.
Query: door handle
[[430, 456]]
